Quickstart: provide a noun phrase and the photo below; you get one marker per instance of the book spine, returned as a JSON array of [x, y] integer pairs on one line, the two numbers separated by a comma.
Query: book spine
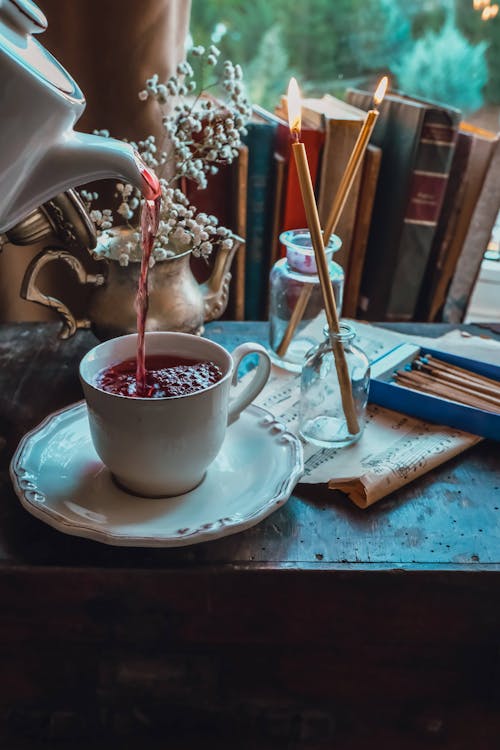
[[427, 189], [341, 136], [260, 142], [240, 190], [445, 230], [294, 213], [395, 133], [479, 233], [369, 178]]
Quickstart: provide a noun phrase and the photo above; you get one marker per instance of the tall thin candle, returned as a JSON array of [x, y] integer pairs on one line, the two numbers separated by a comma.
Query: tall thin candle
[[339, 201], [307, 192]]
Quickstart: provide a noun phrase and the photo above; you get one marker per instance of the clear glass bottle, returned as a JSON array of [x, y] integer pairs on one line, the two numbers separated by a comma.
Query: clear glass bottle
[[294, 291], [322, 420]]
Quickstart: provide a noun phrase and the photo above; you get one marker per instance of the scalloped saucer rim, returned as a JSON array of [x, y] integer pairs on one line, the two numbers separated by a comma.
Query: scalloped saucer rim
[[73, 492]]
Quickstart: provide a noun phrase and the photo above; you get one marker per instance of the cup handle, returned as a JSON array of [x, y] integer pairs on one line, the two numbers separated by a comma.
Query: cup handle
[[257, 382]]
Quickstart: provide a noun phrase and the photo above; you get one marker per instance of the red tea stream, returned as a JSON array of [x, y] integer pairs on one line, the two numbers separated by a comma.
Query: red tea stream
[[150, 217]]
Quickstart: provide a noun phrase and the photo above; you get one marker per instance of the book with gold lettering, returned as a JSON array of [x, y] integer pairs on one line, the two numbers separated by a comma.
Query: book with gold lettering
[[417, 138]]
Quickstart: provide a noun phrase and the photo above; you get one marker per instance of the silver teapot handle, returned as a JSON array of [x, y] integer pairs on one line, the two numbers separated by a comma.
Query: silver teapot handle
[[31, 292], [216, 289]]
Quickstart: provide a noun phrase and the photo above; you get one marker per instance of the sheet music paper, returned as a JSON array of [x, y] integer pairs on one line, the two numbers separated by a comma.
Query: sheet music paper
[[394, 448]]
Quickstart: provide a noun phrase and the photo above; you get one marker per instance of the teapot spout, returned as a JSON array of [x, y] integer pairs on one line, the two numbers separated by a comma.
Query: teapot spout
[[78, 159]]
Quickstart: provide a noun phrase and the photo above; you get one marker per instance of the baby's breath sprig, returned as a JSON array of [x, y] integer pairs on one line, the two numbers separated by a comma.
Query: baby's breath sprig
[[199, 134]]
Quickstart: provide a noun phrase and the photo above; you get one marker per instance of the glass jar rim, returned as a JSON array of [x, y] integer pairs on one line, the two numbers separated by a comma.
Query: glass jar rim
[[346, 332], [290, 238]]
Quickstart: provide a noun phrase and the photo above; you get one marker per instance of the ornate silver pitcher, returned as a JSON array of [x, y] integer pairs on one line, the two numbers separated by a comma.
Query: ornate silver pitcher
[[177, 302]]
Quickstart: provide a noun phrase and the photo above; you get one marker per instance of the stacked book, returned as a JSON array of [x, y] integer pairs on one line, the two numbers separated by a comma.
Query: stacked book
[[419, 214]]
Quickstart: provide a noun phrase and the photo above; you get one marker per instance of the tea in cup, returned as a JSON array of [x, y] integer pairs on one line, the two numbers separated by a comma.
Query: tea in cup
[[162, 442]]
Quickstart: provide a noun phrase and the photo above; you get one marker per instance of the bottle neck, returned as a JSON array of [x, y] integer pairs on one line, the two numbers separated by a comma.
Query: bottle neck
[[345, 335]]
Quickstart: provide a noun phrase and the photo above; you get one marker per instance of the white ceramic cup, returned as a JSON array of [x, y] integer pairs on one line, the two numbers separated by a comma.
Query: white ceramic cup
[[163, 446]]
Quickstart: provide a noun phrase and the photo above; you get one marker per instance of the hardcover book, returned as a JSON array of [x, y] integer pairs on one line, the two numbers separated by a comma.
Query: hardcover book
[[479, 145], [341, 123], [275, 207], [446, 228], [476, 241], [293, 215], [279, 175], [260, 140], [356, 260], [417, 138], [225, 197]]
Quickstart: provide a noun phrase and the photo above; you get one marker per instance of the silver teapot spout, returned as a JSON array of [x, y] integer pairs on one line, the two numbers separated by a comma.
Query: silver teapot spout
[[78, 159], [41, 155]]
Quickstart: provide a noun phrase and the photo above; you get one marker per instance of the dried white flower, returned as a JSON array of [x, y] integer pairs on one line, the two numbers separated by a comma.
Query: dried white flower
[[199, 137]]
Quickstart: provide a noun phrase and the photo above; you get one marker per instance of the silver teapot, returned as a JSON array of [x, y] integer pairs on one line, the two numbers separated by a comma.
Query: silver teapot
[[41, 155], [177, 301]]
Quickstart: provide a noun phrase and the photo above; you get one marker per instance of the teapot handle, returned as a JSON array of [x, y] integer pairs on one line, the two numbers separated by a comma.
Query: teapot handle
[[31, 292], [216, 289]]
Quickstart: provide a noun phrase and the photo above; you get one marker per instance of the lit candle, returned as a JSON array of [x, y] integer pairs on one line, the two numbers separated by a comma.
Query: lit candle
[[307, 192], [489, 11], [354, 162]]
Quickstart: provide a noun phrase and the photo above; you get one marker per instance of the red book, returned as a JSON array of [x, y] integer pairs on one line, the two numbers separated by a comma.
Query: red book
[[293, 215]]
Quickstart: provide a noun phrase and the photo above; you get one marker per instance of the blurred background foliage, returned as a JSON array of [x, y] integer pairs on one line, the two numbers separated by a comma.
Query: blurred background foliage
[[438, 49]]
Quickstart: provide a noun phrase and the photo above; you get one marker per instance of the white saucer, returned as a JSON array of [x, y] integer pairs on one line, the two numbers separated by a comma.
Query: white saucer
[[60, 479]]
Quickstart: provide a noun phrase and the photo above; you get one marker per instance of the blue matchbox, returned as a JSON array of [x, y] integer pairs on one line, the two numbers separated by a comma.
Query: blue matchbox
[[427, 407]]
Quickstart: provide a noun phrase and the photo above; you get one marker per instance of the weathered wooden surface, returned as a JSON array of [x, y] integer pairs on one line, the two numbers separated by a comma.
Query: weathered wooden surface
[[448, 519], [323, 624]]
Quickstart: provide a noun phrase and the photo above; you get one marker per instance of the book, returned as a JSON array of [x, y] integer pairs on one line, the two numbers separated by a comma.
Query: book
[[446, 227], [480, 228], [475, 148], [279, 166], [278, 181], [225, 197], [236, 301], [260, 141], [417, 138], [293, 215], [427, 189], [341, 123], [356, 259]]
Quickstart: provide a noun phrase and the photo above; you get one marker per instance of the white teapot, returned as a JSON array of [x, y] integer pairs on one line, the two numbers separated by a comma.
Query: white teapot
[[40, 153]]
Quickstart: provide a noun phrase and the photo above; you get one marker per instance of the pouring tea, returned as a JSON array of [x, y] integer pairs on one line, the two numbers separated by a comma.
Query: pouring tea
[[41, 155]]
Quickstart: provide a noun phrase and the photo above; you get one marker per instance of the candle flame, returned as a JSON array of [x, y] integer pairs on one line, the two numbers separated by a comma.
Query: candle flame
[[380, 91], [490, 11], [294, 108]]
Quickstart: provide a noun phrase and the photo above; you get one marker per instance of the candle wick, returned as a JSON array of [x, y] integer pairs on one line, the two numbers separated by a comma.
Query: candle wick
[[295, 135]]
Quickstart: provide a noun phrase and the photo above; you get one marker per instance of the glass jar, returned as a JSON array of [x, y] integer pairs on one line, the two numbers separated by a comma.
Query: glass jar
[[322, 420], [295, 297]]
